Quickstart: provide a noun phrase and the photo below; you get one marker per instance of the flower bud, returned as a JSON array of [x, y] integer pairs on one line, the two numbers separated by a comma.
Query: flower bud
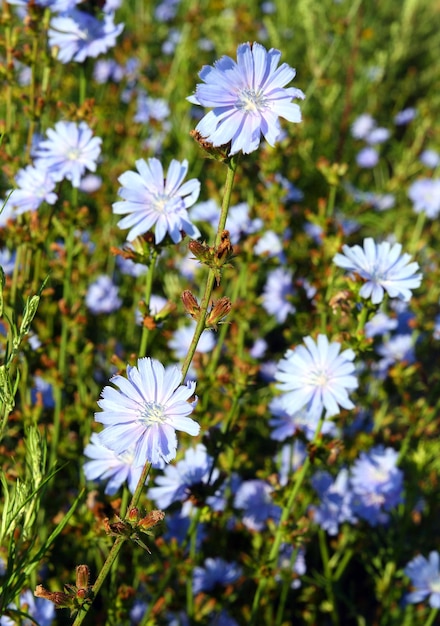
[[191, 305]]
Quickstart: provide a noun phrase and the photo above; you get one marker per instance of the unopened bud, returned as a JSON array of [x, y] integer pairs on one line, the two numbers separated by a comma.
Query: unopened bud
[[191, 305], [82, 576]]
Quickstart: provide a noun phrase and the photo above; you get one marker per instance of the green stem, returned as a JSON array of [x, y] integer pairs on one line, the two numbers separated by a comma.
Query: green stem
[[431, 617], [147, 296], [200, 327], [285, 514], [328, 576]]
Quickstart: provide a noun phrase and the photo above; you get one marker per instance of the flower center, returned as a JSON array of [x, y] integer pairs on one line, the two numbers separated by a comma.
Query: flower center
[[250, 101], [320, 378], [73, 154], [152, 413]]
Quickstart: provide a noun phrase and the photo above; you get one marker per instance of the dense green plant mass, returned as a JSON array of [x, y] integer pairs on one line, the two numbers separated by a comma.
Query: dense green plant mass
[[219, 313]]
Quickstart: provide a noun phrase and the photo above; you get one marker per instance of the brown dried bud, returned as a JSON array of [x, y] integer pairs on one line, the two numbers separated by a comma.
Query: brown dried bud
[[191, 305], [60, 599], [219, 153], [220, 309], [82, 576], [151, 519]]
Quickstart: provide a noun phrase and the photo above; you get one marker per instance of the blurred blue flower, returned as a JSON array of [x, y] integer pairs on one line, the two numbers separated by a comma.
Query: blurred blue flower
[[106, 70], [405, 116], [367, 157], [248, 98], [430, 158], [270, 245], [215, 571], [277, 294], [425, 196], [377, 484], [150, 109], [7, 260], [166, 10], [177, 525], [285, 424], [102, 296], [150, 199], [425, 578], [362, 126], [35, 185], [177, 481], [290, 457], [285, 563], [239, 222], [68, 152], [78, 35], [377, 135], [105, 464], [336, 497], [395, 350], [42, 393], [182, 337], [146, 410], [41, 611], [317, 376], [380, 324], [254, 497], [383, 267]]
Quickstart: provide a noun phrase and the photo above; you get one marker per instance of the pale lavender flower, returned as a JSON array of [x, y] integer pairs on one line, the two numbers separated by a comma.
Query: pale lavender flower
[[102, 296], [146, 410], [35, 185], [398, 349], [377, 135], [41, 610], [285, 424], [425, 196], [336, 498], [150, 109], [362, 126], [254, 497], [430, 158], [7, 260], [377, 485], [405, 116], [150, 199], [68, 152], [278, 293], [367, 157], [215, 571], [105, 464], [383, 267], [106, 70], [317, 376], [289, 459], [182, 337], [425, 579], [177, 481], [247, 98], [78, 35], [380, 324], [270, 245]]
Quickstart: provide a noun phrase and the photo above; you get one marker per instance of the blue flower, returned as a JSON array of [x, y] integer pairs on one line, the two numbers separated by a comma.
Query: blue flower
[[380, 324], [367, 157], [362, 126], [69, 151], [215, 571], [277, 294], [289, 459], [430, 158], [78, 35], [425, 196], [151, 200], [177, 481], [7, 260], [317, 376], [146, 410], [105, 464], [102, 296], [286, 424], [182, 337], [248, 98], [255, 498], [336, 498], [35, 185], [382, 267], [405, 116], [425, 578], [41, 610], [377, 484]]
